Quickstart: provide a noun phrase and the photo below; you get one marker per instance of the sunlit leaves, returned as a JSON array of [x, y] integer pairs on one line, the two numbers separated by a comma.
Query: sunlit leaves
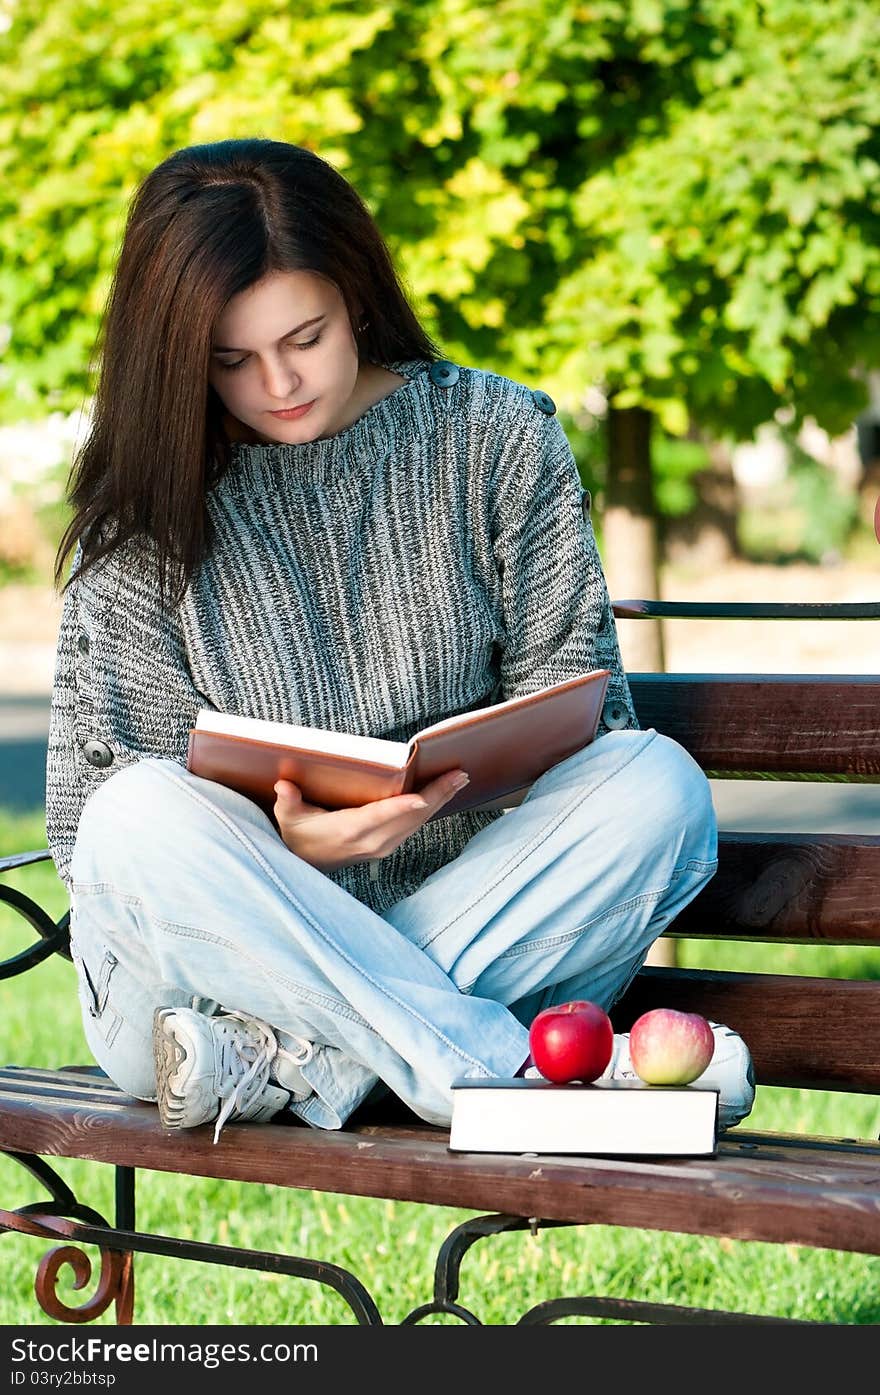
[[676, 201]]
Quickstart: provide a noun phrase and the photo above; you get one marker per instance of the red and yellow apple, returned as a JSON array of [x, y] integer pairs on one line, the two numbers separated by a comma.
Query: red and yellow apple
[[668, 1047], [571, 1041]]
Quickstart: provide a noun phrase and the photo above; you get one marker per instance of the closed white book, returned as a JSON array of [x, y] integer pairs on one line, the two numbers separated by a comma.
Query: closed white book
[[620, 1118]]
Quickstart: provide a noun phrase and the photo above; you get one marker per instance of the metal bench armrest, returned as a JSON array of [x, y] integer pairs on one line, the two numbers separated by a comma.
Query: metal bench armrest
[[23, 859], [745, 610]]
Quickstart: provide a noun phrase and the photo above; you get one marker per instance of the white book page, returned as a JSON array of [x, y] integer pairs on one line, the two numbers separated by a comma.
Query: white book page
[[492, 707], [393, 754]]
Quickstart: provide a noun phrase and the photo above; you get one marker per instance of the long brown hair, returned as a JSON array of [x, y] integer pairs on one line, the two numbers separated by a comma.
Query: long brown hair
[[208, 222]]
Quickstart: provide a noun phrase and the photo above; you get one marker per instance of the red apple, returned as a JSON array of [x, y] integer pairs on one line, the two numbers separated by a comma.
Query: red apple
[[572, 1041], [668, 1047]]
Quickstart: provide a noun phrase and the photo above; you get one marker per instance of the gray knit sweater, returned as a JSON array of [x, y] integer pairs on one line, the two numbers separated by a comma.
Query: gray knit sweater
[[429, 559]]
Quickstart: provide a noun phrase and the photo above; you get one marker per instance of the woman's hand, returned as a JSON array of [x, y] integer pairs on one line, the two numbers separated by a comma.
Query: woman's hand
[[330, 839]]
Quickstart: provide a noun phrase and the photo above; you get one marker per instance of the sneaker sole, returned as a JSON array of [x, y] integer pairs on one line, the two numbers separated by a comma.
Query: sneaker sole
[[168, 1055], [732, 1111]]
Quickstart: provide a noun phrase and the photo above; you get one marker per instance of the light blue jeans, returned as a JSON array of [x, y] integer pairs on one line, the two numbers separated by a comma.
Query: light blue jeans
[[181, 887]]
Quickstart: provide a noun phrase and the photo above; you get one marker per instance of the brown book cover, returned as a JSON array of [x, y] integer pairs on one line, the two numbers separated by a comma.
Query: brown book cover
[[504, 748]]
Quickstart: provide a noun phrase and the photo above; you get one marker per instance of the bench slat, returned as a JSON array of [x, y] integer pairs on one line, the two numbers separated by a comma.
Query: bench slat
[[811, 726], [792, 888], [757, 1188], [747, 610], [816, 1033]]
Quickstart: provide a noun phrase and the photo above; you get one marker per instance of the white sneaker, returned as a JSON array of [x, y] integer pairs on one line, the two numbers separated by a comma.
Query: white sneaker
[[730, 1072], [221, 1067]]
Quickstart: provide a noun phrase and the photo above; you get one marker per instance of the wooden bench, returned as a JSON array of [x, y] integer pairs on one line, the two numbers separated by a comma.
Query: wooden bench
[[818, 1033]]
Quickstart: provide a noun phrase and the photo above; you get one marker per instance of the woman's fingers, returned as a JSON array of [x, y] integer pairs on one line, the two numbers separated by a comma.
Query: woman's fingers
[[288, 791], [438, 792], [402, 814], [331, 839], [424, 801], [289, 800]]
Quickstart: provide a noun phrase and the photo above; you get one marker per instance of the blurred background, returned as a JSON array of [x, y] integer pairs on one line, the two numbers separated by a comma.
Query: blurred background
[[664, 214]]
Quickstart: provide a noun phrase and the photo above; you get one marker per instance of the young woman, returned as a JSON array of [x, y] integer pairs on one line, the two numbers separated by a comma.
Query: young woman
[[290, 507]]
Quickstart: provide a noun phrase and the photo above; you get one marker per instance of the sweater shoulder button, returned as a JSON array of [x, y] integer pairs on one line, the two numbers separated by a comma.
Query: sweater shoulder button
[[544, 402], [443, 373]]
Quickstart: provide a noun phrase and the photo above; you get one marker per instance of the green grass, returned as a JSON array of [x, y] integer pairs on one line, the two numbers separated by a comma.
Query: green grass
[[391, 1245]]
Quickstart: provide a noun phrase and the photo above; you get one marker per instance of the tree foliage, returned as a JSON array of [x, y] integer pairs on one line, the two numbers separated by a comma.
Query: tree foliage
[[674, 199]]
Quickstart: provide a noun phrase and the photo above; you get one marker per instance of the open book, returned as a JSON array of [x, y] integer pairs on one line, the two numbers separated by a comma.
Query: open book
[[504, 748], [623, 1118]]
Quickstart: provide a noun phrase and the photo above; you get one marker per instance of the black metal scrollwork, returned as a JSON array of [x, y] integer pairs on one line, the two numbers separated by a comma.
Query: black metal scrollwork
[[54, 937], [117, 1246], [448, 1266], [58, 1219], [456, 1245]]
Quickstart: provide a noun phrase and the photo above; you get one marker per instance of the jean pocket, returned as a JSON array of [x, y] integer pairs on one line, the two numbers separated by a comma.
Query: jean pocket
[[94, 991]]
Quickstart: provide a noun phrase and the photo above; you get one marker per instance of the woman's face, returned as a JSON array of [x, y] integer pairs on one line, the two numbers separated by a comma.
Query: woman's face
[[287, 342]]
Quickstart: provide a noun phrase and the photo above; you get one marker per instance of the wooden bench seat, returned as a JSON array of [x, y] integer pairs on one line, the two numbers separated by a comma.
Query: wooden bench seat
[[819, 1192]]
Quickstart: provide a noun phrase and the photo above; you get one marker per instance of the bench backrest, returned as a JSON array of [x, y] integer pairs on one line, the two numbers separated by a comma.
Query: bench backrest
[[788, 888]]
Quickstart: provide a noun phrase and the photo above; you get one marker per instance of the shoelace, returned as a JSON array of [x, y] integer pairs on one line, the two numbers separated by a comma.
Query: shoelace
[[234, 1054]]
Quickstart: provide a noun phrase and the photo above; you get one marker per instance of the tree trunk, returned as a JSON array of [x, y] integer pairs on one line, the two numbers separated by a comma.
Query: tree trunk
[[706, 537], [630, 557], [868, 438], [630, 543]]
